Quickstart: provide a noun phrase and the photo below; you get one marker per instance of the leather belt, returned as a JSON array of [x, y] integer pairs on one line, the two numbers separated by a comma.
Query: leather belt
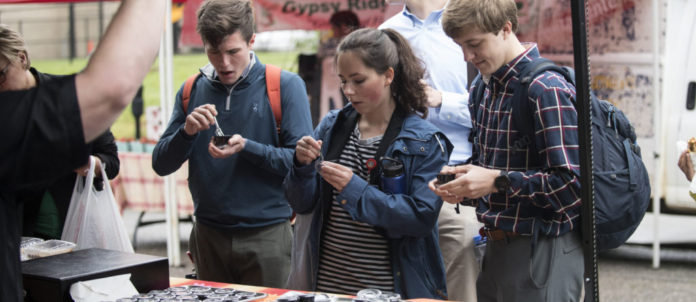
[[496, 234]]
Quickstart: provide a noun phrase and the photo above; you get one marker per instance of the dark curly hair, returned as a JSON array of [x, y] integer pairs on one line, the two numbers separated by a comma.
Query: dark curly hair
[[381, 49]]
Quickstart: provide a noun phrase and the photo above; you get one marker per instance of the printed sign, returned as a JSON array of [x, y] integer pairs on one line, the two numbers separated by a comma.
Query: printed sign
[[315, 14], [297, 14]]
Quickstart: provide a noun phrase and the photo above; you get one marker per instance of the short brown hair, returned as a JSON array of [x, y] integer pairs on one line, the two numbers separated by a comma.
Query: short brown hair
[[218, 19], [11, 44], [489, 16]]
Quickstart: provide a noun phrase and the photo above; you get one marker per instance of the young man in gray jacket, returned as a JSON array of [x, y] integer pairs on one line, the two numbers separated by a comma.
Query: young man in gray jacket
[[242, 231]]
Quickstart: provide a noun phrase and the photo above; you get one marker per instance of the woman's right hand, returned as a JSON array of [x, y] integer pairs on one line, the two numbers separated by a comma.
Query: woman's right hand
[[307, 150]]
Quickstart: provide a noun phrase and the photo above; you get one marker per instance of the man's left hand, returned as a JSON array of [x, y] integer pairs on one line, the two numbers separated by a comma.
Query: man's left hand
[[234, 145], [471, 182]]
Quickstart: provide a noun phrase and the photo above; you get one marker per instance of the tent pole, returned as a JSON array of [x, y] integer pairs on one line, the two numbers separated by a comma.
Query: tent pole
[[166, 103], [582, 88], [660, 135]]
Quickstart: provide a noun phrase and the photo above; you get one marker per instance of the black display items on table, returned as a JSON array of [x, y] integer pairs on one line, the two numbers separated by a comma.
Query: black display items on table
[[50, 278]]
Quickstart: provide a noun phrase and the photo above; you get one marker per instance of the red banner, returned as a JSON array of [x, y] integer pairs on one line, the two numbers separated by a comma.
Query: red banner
[[297, 14], [56, 1], [315, 14]]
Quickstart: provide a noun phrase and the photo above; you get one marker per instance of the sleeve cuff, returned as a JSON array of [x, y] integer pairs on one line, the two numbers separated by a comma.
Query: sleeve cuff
[[350, 195], [302, 170], [516, 181], [185, 136], [253, 151], [454, 107]]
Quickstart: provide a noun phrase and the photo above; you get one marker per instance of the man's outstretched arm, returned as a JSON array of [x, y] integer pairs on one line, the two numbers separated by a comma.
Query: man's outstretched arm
[[118, 66]]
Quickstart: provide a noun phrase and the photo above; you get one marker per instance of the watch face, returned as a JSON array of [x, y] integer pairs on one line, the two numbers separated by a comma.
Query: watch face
[[502, 183]]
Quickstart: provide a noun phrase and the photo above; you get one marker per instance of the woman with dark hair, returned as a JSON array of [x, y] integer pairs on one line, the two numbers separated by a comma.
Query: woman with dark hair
[[357, 226]]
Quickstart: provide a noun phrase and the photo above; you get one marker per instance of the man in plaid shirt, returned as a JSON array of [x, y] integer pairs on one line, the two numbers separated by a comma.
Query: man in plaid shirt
[[529, 203]]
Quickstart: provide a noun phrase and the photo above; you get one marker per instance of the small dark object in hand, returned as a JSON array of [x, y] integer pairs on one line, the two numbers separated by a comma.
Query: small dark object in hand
[[220, 141], [444, 178]]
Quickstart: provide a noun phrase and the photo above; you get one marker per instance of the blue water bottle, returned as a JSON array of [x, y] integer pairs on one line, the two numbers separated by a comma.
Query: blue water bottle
[[393, 178], [479, 249]]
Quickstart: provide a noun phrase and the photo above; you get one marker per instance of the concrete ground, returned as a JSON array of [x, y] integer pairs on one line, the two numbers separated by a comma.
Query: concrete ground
[[625, 274]]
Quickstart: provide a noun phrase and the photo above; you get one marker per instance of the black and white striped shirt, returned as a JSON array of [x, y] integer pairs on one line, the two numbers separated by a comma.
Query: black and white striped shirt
[[353, 255]]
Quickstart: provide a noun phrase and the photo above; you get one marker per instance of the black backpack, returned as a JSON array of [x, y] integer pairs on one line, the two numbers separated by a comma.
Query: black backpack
[[621, 183]]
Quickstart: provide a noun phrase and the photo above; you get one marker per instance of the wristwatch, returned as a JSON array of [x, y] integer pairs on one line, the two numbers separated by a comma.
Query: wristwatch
[[502, 182]]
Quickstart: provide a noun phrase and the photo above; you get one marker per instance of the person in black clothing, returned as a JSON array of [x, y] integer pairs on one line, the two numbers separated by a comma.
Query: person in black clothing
[[45, 210], [47, 120]]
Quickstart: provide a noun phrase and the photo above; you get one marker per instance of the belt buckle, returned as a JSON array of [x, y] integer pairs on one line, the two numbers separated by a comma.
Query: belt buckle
[[496, 234], [490, 235], [486, 232]]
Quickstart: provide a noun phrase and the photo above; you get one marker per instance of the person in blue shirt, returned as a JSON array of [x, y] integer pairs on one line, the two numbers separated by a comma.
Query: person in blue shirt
[[354, 230], [446, 86], [528, 201], [242, 232]]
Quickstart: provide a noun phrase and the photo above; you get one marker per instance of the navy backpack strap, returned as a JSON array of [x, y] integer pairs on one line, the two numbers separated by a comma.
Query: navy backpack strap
[[479, 89], [476, 97], [522, 114], [632, 177]]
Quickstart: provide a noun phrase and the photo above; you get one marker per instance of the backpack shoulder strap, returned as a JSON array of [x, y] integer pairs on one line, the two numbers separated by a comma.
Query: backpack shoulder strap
[[522, 116], [521, 113], [478, 93], [476, 96], [273, 90], [188, 87]]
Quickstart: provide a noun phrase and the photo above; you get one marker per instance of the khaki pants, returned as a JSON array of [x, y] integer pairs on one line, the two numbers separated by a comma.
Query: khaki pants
[[457, 233], [259, 256]]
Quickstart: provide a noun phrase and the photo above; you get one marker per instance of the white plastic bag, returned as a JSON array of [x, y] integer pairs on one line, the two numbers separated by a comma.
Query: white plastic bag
[[103, 289], [93, 219]]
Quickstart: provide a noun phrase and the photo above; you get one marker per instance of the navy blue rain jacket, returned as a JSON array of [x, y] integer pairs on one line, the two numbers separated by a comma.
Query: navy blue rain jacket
[[408, 221]]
